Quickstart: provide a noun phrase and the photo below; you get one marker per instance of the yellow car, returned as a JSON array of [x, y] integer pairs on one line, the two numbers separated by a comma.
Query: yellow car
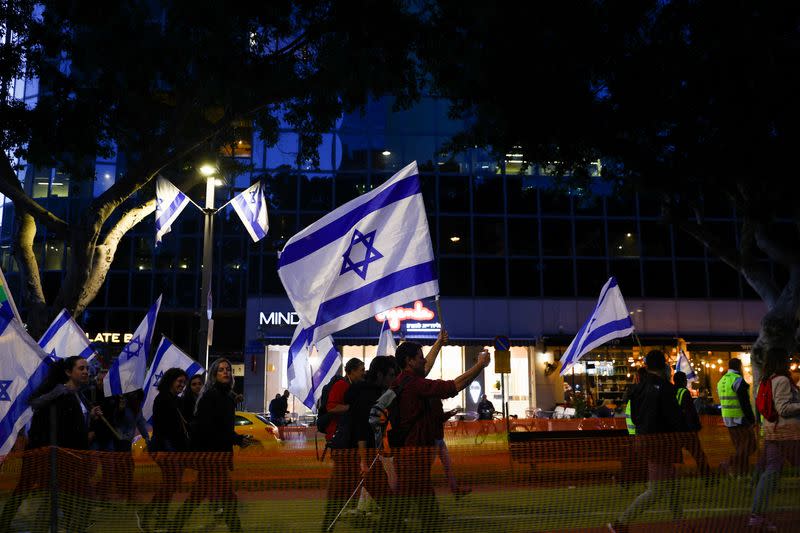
[[263, 432]]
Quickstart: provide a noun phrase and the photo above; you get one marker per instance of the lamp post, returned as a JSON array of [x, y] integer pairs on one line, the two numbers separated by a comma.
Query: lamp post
[[206, 323]]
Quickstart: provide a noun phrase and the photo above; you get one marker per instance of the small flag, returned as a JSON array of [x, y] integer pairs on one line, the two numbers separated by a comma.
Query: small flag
[[251, 206], [609, 320], [685, 366], [298, 366], [386, 344], [167, 356], [65, 338], [170, 201], [329, 366], [23, 368], [8, 309], [128, 370]]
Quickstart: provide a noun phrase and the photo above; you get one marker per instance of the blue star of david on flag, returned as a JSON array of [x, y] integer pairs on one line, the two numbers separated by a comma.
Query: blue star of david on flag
[[4, 385], [157, 379], [132, 348], [370, 254]]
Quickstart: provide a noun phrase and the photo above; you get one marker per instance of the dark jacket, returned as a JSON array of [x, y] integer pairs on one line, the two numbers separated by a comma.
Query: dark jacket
[[213, 426], [690, 413], [354, 425], [170, 430], [654, 408], [70, 425], [187, 404]]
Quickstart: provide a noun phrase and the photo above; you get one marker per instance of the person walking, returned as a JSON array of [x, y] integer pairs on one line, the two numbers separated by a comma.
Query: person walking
[[737, 414], [657, 417], [213, 432], [781, 435], [189, 399], [168, 445], [691, 441]]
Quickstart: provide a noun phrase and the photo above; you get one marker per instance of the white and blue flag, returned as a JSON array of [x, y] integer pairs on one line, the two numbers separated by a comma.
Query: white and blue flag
[[609, 320], [386, 344], [298, 367], [167, 356], [251, 206], [306, 381], [23, 368], [170, 201], [128, 370], [369, 255], [685, 366], [65, 338]]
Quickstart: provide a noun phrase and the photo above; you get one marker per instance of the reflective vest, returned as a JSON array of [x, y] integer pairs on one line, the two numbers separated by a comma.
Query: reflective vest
[[727, 396], [680, 394], [629, 420]]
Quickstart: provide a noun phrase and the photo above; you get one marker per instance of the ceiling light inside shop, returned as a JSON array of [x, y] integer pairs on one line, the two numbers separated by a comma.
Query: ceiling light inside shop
[[455, 238], [386, 152]]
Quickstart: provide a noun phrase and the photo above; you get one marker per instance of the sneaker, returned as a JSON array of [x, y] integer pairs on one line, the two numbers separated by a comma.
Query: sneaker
[[761, 523], [617, 527]]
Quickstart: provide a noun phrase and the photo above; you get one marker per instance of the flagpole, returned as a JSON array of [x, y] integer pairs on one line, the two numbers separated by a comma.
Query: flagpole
[[439, 312], [204, 337]]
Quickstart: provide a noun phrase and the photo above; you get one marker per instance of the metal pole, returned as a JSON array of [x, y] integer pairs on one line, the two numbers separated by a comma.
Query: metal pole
[[208, 257], [503, 393]]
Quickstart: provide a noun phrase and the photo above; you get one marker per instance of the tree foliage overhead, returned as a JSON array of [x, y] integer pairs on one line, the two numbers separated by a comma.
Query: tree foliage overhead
[[164, 84], [691, 100]]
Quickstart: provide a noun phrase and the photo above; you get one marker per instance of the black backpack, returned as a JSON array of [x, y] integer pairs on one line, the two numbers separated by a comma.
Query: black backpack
[[323, 417]]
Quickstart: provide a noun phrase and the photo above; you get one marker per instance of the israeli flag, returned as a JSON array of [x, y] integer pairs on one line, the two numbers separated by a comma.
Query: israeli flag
[[167, 356], [609, 320], [386, 344], [65, 338], [305, 381], [685, 366], [371, 254], [251, 206], [128, 370], [23, 368], [298, 368], [170, 201]]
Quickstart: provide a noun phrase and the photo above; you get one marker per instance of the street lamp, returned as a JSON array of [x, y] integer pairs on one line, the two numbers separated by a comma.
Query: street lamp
[[206, 323]]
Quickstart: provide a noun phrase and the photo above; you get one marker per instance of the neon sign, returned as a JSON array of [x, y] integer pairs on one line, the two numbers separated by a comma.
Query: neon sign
[[396, 316]]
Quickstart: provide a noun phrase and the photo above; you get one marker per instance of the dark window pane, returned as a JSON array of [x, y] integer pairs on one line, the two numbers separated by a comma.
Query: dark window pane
[[489, 238], [349, 186], [254, 274], [164, 284], [658, 279], [628, 277], [455, 277], [590, 237], [524, 274], [723, 280], [488, 197], [281, 190], [271, 283], [189, 254], [231, 288], [454, 194], [490, 277], [316, 192], [429, 191], [455, 235], [591, 276], [51, 284], [623, 239], [724, 231], [523, 236], [558, 280], [554, 202], [165, 253], [143, 250], [717, 205], [354, 153], [281, 229], [141, 295], [187, 289], [118, 285], [686, 245], [556, 237], [649, 205], [748, 293], [621, 205], [691, 279], [588, 204], [655, 239], [521, 193]]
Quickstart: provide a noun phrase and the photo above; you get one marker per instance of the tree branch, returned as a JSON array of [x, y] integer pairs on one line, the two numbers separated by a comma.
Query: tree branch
[[29, 268], [774, 250], [11, 188]]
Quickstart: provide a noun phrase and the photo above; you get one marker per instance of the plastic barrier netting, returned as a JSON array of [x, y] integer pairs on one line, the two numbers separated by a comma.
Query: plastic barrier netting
[[529, 475]]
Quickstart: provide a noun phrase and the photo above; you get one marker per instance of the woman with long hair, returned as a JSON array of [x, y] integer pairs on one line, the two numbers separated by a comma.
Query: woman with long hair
[[213, 431], [190, 395], [781, 436], [62, 417], [170, 434]]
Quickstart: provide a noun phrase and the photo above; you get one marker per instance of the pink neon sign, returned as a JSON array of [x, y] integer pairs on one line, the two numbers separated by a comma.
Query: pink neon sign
[[398, 315]]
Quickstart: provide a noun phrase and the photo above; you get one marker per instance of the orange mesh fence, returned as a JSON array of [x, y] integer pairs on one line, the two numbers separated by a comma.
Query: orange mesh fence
[[542, 475]]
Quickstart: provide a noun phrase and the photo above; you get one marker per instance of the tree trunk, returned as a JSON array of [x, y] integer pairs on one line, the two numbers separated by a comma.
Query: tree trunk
[[38, 319]]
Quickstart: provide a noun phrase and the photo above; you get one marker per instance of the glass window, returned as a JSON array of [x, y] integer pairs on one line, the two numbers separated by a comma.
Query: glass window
[[725, 232], [455, 277], [429, 191], [60, 186], [558, 280], [686, 245], [717, 205], [281, 190], [521, 192], [554, 202], [254, 274], [691, 279], [41, 182], [455, 237], [623, 238], [649, 205], [454, 194], [164, 284], [621, 204], [143, 253], [270, 282], [556, 237], [141, 293], [590, 237], [490, 277], [658, 279], [524, 278], [656, 239], [118, 285], [349, 186], [231, 293], [723, 280], [51, 284], [489, 195], [587, 203], [281, 229], [489, 236], [165, 254], [591, 275], [187, 289], [354, 152], [53, 255], [284, 153], [104, 177], [316, 192], [523, 236], [241, 145], [628, 276]]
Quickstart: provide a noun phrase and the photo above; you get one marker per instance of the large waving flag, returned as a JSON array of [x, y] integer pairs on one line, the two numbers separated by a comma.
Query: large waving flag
[[369, 255], [609, 320], [23, 368], [8, 309], [128, 370], [685, 366], [65, 338], [386, 344], [167, 356], [170, 201], [251, 206]]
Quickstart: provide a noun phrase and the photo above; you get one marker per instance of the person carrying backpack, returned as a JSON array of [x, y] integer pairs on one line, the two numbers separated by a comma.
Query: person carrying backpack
[[778, 401]]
